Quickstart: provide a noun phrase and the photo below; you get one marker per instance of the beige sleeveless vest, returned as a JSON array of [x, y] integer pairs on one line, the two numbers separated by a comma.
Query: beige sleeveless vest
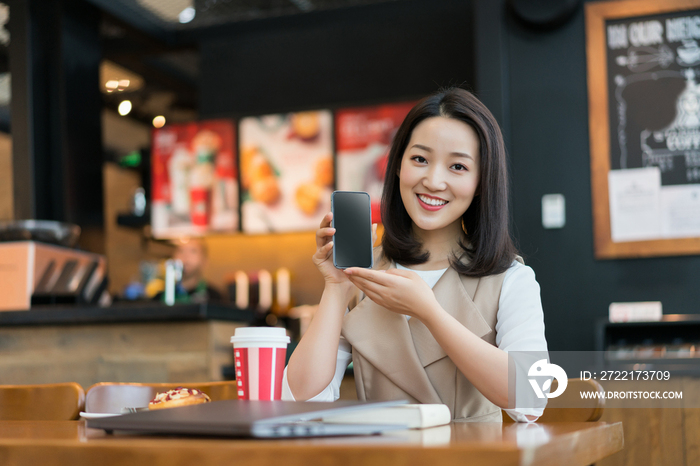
[[394, 358]]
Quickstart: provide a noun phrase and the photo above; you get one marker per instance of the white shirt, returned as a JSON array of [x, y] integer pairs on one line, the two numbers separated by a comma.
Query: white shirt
[[519, 327]]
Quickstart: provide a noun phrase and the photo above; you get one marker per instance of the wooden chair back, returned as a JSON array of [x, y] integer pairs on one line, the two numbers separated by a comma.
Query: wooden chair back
[[112, 397], [569, 407], [45, 402]]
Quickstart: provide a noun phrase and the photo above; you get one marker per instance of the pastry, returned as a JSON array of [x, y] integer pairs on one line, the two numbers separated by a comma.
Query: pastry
[[178, 397], [306, 125], [324, 172], [265, 190], [247, 155], [308, 197], [259, 169], [254, 167]]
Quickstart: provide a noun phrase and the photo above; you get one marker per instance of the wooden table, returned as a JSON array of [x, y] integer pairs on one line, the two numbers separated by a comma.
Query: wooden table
[[49, 443]]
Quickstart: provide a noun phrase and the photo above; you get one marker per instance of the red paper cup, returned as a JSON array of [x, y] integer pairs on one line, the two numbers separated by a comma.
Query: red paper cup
[[259, 354], [199, 206]]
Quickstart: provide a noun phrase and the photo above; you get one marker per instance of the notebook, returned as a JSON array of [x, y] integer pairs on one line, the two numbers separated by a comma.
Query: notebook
[[413, 416], [243, 418]]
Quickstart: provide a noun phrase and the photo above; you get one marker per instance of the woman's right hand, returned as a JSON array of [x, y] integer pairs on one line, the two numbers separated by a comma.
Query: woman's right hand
[[324, 253]]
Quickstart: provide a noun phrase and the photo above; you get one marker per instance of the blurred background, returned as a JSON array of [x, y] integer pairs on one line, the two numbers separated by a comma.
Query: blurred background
[[163, 164], [84, 85]]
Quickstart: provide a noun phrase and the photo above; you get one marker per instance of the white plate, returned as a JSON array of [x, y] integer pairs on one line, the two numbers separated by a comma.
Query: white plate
[[96, 415]]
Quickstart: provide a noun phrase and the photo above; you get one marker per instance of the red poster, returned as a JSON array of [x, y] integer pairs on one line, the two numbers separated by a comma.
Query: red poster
[[195, 188], [363, 137]]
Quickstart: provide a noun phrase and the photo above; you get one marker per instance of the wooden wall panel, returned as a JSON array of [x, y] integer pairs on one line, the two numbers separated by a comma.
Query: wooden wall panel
[[691, 419], [656, 436], [249, 253], [139, 352], [125, 247], [6, 198]]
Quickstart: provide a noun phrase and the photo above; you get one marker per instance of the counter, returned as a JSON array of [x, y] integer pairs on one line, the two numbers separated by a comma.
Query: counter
[[126, 342], [123, 312]]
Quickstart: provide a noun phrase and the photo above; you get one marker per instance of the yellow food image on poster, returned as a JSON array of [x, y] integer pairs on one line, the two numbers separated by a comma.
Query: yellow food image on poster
[[258, 177], [265, 190], [308, 197], [259, 169], [306, 125], [324, 172], [254, 166], [247, 154]]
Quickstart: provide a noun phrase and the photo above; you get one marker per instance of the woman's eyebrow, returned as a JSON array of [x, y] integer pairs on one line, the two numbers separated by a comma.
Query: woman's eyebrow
[[422, 147], [462, 154], [428, 149]]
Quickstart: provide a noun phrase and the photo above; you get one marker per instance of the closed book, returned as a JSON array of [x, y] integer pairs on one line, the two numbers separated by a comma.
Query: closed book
[[413, 416]]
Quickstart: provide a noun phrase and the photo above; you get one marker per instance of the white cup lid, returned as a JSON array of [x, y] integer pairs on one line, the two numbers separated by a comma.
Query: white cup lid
[[256, 334]]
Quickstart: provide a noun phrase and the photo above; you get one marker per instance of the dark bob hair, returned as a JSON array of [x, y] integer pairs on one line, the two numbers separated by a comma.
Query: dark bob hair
[[487, 244]]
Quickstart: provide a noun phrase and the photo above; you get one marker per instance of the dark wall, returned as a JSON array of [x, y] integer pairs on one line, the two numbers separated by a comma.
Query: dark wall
[[375, 53], [547, 105], [54, 58], [534, 82]]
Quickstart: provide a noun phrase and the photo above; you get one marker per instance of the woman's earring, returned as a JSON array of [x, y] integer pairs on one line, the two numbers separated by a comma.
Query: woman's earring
[[464, 229]]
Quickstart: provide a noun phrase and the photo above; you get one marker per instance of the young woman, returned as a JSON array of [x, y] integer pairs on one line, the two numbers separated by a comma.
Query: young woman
[[448, 297]]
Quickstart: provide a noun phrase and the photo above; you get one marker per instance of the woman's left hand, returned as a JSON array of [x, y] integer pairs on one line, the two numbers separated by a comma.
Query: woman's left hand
[[400, 291]]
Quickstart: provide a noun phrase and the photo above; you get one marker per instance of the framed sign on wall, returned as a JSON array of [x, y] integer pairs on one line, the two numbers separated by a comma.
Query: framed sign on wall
[[194, 180], [644, 121], [287, 173]]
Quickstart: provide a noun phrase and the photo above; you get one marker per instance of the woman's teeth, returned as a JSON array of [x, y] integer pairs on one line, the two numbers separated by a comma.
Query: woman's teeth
[[431, 201]]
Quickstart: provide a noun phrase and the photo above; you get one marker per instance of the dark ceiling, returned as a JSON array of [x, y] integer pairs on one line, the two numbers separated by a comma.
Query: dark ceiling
[[165, 15], [148, 38]]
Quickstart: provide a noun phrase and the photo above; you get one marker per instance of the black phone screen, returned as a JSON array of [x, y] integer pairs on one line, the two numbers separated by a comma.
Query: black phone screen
[[352, 220]]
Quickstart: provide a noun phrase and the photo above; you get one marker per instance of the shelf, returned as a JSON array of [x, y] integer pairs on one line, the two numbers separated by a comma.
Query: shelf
[[671, 329], [672, 333], [133, 221]]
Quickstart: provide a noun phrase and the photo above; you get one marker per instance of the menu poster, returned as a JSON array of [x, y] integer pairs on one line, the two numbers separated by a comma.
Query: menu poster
[[195, 187], [655, 108], [363, 138], [643, 67], [287, 173]]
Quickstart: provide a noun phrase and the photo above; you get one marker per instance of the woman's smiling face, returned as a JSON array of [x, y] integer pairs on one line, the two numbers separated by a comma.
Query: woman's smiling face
[[439, 173]]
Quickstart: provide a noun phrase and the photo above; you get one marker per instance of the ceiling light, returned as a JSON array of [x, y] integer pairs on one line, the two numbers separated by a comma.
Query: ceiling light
[[159, 121], [115, 77], [186, 15], [124, 107]]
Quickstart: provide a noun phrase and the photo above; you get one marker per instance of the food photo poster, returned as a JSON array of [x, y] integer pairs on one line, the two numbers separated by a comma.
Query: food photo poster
[[287, 172], [194, 179]]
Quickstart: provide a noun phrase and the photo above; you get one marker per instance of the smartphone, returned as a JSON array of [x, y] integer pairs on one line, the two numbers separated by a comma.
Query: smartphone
[[352, 220]]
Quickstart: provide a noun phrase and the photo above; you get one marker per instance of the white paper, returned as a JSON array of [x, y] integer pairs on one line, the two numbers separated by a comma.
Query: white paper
[[681, 211], [635, 207]]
